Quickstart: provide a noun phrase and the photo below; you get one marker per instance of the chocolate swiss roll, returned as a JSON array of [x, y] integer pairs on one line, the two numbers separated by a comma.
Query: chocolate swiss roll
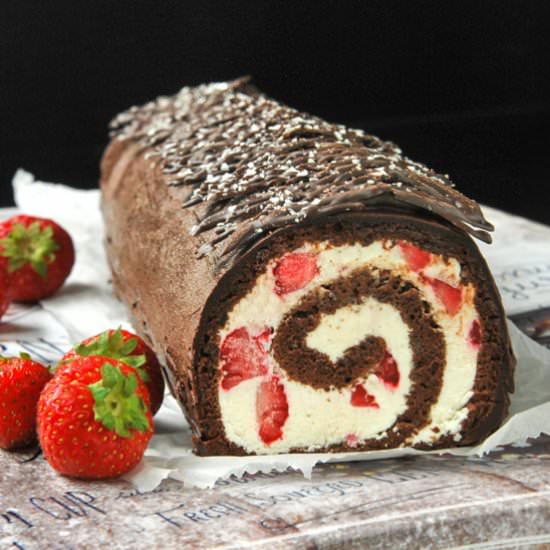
[[308, 287]]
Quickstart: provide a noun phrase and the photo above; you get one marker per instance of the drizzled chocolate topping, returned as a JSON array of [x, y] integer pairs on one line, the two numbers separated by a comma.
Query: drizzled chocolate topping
[[254, 161]]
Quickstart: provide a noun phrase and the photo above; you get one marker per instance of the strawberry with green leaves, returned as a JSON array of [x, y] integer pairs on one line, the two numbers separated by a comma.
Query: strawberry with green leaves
[[130, 349], [21, 381], [93, 419], [38, 254]]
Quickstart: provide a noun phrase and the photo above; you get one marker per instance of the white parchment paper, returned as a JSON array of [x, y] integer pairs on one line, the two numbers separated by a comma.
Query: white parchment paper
[[85, 306]]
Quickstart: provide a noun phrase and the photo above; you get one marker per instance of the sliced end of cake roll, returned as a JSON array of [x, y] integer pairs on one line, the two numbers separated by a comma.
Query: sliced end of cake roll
[[354, 332]]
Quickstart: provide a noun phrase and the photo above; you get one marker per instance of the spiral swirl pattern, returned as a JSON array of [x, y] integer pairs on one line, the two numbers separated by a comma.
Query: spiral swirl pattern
[[350, 346]]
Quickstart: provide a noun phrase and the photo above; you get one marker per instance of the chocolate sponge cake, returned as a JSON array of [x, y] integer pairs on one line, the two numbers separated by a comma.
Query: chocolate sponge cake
[[308, 287]]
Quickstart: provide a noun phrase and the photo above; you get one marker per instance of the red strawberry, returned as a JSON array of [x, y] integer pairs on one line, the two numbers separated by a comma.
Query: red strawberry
[[388, 371], [271, 410], [448, 295], [352, 440], [242, 357], [474, 335], [264, 337], [93, 419], [294, 271], [416, 257], [40, 256], [21, 381], [360, 397], [133, 351], [5, 287]]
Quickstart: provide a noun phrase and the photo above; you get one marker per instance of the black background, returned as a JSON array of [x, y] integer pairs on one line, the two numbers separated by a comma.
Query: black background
[[461, 86]]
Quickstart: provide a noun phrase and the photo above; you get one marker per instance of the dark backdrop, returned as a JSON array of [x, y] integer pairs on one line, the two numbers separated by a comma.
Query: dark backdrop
[[461, 86]]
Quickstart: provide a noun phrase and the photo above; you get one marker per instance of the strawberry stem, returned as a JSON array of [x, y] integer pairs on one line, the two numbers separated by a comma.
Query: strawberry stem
[[32, 245], [117, 405], [111, 344]]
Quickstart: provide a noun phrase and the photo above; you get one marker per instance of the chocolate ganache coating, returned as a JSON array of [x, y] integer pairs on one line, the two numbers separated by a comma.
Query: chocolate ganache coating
[[259, 165]]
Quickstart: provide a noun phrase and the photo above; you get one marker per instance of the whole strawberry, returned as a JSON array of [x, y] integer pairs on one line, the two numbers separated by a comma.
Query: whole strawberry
[[130, 349], [39, 254], [21, 381], [93, 419]]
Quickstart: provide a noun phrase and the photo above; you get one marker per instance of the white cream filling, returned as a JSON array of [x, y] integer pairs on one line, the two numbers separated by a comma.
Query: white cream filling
[[318, 417], [348, 325]]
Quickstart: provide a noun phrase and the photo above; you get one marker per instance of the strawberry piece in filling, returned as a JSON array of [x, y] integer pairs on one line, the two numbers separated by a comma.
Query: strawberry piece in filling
[[352, 440], [360, 397], [264, 337], [242, 357], [415, 257], [388, 371], [448, 295], [271, 410], [294, 271], [474, 335]]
